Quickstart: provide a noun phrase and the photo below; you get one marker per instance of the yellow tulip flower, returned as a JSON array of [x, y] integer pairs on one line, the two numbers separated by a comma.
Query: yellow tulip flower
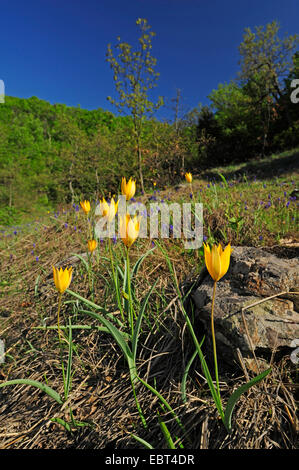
[[128, 189], [92, 244], [85, 206], [129, 229], [62, 279], [109, 210], [188, 177], [217, 260]]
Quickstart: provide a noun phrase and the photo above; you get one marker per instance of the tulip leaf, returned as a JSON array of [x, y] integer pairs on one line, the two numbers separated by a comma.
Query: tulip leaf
[[223, 179], [236, 395], [183, 385], [67, 384], [139, 319], [83, 261], [63, 423], [125, 295], [86, 301], [146, 444], [166, 433], [96, 316], [164, 402], [139, 261], [117, 335], [35, 383]]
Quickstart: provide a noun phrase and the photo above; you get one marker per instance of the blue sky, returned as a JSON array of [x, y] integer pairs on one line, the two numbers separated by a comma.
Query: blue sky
[[55, 49]]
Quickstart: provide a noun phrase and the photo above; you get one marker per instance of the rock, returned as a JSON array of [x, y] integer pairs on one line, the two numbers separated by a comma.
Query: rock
[[242, 304]]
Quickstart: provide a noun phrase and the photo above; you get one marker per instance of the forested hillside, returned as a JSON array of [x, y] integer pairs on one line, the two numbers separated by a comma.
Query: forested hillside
[[52, 154]]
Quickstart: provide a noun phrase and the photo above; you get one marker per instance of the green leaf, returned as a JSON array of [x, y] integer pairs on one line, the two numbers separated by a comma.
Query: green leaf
[[166, 433], [88, 302], [223, 179], [63, 423], [125, 295], [139, 261], [35, 383], [138, 321], [183, 385], [36, 285], [69, 363], [97, 317], [142, 441], [83, 261], [118, 336], [164, 402], [236, 395]]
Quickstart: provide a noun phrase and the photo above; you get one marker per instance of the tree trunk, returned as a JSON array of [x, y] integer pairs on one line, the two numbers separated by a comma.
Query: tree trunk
[[139, 155], [140, 167], [70, 183], [98, 183]]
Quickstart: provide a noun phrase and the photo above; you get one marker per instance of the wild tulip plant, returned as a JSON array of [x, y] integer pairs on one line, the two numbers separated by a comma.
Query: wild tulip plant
[[127, 331], [109, 212], [217, 262], [91, 247], [188, 177], [128, 189], [129, 231], [62, 279]]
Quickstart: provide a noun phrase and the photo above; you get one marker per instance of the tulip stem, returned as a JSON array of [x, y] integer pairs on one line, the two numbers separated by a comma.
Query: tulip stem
[[115, 279], [58, 313], [90, 226], [129, 292], [214, 341], [59, 336]]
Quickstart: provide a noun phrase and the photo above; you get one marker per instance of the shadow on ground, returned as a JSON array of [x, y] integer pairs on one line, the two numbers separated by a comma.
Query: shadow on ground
[[266, 168]]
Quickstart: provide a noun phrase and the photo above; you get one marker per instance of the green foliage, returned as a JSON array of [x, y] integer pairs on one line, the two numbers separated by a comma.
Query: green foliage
[[55, 154], [253, 115], [10, 215], [263, 53]]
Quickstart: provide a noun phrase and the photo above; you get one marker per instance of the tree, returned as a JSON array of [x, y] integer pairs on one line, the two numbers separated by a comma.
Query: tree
[[134, 77], [266, 60]]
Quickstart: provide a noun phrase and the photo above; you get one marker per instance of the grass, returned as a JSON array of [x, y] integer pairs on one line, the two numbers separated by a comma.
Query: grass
[[243, 204]]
